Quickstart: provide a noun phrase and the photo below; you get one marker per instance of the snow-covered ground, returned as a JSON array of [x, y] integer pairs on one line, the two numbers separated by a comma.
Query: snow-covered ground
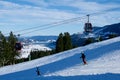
[[103, 63], [25, 51]]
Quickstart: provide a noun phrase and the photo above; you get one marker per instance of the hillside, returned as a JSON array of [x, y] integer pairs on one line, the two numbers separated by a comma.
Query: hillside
[[41, 38], [25, 51], [113, 28], [103, 64], [78, 39]]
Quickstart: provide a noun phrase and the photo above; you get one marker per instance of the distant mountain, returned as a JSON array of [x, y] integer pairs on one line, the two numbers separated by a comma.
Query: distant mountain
[[79, 38], [114, 28], [48, 41], [43, 38]]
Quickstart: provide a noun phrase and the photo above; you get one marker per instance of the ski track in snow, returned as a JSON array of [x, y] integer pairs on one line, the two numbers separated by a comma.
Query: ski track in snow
[[103, 60]]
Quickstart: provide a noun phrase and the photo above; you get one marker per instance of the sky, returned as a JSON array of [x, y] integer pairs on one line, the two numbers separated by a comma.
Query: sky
[[36, 17]]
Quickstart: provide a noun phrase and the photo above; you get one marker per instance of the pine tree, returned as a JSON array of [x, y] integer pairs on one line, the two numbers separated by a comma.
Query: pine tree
[[88, 41], [112, 35], [4, 50], [67, 41], [1, 38], [59, 43], [12, 40], [63, 42], [6, 53], [1, 48]]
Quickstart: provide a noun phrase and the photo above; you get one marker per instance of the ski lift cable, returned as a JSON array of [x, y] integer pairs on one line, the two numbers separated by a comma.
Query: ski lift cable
[[56, 23], [51, 26], [60, 21], [47, 26]]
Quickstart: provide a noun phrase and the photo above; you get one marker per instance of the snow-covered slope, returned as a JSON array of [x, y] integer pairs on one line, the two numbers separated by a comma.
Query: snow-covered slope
[[103, 64], [32, 47]]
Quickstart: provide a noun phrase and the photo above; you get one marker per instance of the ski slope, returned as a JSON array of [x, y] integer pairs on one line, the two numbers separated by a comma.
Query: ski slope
[[25, 51], [103, 60]]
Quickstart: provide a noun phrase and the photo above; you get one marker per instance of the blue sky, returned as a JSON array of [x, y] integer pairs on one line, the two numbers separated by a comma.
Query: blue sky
[[16, 15]]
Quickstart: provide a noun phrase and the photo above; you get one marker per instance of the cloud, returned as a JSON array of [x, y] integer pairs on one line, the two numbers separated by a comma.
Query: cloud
[[105, 18], [84, 6], [25, 12], [38, 12], [40, 3], [17, 13], [8, 5]]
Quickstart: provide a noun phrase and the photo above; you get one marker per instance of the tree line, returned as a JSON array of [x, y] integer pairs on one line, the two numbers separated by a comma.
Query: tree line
[[7, 49], [8, 53], [63, 43]]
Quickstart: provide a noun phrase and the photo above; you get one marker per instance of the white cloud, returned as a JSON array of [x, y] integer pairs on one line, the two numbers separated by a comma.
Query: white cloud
[[22, 13], [25, 15], [83, 6], [8, 5], [41, 3]]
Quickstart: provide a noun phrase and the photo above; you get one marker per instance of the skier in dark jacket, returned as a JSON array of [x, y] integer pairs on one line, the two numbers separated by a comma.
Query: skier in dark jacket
[[83, 58], [37, 71]]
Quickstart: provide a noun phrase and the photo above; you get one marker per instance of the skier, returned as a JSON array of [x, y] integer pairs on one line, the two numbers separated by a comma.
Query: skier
[[83, 57], [37, 71]]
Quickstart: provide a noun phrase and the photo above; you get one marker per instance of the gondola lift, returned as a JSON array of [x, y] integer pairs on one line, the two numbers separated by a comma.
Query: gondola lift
[[88, 26], [18, 45]]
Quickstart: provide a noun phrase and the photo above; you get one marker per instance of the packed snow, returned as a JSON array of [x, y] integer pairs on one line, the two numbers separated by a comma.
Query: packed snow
[[103, 63]]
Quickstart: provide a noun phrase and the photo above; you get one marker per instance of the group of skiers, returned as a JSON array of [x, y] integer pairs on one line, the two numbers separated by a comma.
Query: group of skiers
[[83, 57]]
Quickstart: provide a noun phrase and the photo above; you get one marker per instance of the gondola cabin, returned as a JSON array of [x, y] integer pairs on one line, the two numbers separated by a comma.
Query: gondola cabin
[[18, 46], [88, 26]]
